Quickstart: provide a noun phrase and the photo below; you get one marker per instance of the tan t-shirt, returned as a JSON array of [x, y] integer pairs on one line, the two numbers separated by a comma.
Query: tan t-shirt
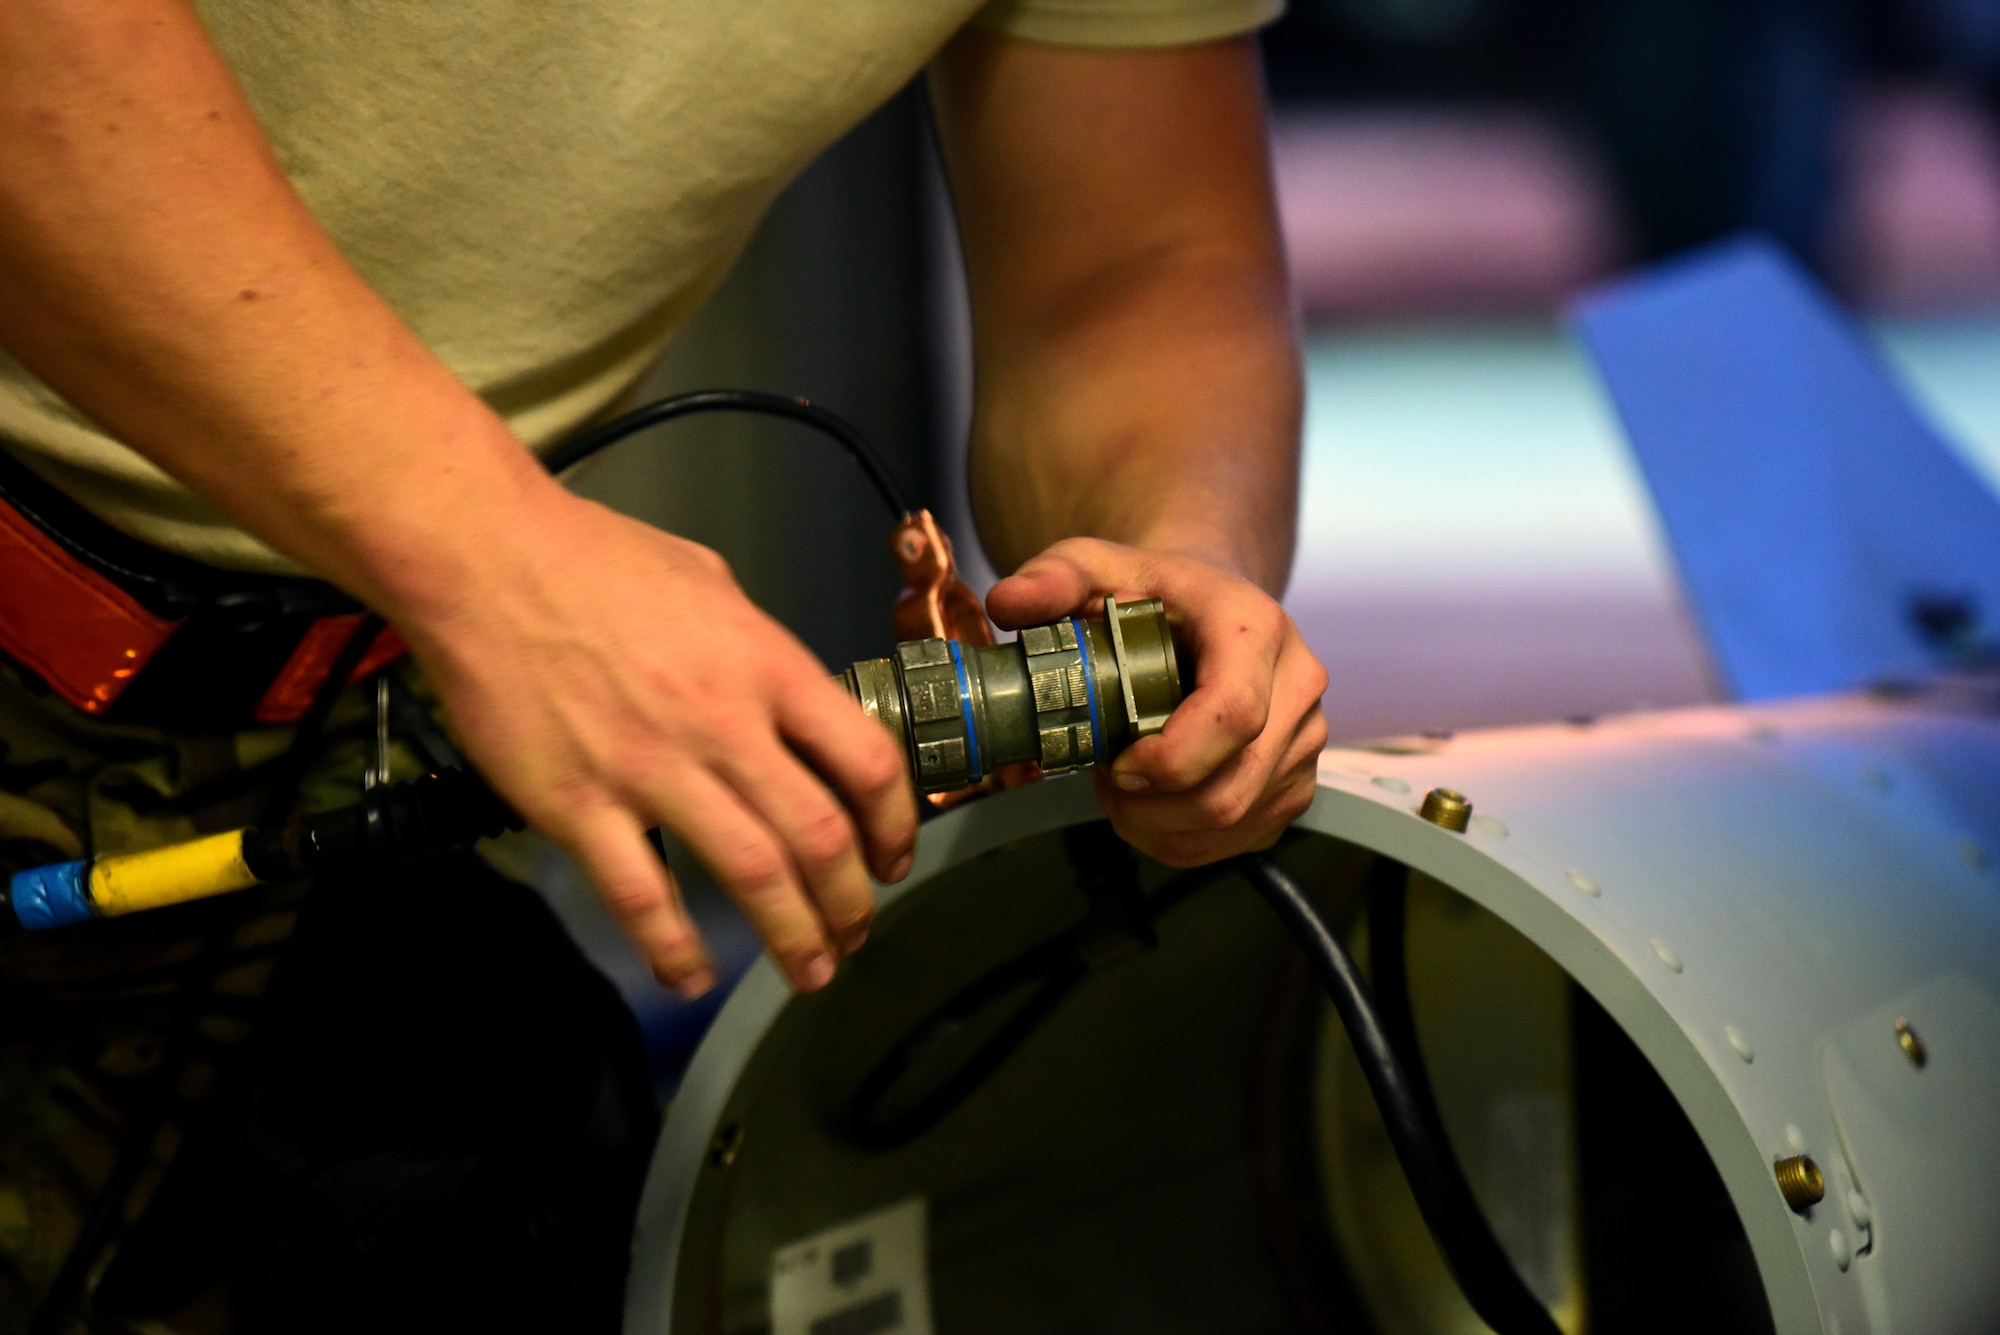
[[546, 192]]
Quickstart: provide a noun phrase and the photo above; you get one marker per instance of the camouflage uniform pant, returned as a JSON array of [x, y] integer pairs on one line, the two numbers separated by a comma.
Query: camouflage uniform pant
[[403, 1102]]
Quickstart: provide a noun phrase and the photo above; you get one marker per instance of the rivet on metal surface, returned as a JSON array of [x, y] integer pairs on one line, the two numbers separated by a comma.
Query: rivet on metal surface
[[1446, 808], [1664, 953], [1738, 1044], [1913, 1047], [1389, 783], [1800, 1182], [1857, 1209], [1487, 825], [1843, 1251], [728, 1142], [1584, 883], [1795, 1138]]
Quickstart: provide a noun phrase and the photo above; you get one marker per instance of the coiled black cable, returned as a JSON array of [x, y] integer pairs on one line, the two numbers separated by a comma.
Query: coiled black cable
[[1473, 1255]]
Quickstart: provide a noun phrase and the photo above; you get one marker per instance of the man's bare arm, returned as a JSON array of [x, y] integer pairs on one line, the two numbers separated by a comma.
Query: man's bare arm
[[157, 269], [1138, 394], [1138, 376]]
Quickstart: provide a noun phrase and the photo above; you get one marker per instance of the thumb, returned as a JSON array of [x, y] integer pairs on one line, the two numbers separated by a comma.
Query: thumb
[[1058, 582], [1037, 592]]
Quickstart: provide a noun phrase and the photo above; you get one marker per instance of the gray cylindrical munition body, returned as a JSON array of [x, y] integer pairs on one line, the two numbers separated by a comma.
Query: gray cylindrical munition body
[[1063, 695], [1668, 955]]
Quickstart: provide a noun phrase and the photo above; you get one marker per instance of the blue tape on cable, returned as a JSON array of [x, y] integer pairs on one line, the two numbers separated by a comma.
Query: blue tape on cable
[[52, 896], [1089, 691], [965, 706]]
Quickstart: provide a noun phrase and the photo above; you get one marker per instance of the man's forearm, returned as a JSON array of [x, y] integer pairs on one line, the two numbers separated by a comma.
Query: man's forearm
[[1164, 413], [157, 268], [1137, 371]]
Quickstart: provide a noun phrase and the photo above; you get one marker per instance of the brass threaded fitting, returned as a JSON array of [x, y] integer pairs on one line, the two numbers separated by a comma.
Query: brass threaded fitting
[[1800, 1182], [1446, 808], [1913, 1047]]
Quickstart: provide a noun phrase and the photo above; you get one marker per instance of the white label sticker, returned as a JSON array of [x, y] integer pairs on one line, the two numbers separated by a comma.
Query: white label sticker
[[864, 1277]]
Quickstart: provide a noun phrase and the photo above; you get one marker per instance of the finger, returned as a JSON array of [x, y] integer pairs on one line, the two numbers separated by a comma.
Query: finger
[[641, 895], [1241, 790], [745, 856], [815, 831], [1062, 580], [1222, 800], [1275, 814], [1239, 646], [1234, 631], [857, 755], [1290, 793]]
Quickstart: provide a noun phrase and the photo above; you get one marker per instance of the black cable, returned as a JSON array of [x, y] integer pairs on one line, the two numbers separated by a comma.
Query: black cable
[[1053, 967], [578, 448], [1385, 890], [291, 770], [1382, 1032], [1473, 1255]]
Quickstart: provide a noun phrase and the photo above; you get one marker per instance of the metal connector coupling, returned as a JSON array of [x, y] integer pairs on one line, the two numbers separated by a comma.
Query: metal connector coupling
[[1064, 695]]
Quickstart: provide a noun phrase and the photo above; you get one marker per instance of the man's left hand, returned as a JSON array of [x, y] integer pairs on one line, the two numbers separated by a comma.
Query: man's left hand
[[1235, 764]]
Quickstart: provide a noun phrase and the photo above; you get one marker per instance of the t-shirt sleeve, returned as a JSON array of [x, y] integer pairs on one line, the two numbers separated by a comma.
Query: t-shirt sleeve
[[1127, 22]]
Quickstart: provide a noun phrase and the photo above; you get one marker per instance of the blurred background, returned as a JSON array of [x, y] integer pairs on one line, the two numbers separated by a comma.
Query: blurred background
[[1476, 547]]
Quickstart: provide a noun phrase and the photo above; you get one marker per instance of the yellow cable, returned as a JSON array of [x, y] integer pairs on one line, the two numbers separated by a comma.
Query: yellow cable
[[133, 882]]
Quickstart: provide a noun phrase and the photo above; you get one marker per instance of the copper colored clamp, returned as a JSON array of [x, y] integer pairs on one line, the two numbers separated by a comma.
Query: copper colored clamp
[[936, 603]]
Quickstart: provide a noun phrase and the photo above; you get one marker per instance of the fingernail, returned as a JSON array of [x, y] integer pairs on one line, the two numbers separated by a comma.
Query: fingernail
[[902, 868], [1130, 782], [697, 984], [853, 941], [817, 973]]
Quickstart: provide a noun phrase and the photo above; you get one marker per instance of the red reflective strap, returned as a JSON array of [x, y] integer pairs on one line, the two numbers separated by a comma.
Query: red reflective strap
[[291, 694], [388, 647], [78, 631]]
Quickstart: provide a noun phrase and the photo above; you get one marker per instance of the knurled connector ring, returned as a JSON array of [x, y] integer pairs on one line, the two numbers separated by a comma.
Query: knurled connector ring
[[1060, 678]]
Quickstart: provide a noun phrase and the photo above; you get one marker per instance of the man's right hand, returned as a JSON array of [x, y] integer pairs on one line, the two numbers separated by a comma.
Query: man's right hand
[[607, 677]]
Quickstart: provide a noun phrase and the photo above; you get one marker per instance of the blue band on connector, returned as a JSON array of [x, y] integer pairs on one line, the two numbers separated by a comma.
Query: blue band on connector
[[52, 896], [965, 707], [1089, 690]]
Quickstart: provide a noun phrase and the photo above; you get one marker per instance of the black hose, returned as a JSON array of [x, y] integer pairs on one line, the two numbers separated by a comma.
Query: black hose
[[1473, 1255], [1047, 972], [1052, 971], [578, 448], [291, 767], [1385, 891]]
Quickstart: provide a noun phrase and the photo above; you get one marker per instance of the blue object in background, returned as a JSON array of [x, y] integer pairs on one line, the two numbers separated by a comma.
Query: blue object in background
[[1826, 536]]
